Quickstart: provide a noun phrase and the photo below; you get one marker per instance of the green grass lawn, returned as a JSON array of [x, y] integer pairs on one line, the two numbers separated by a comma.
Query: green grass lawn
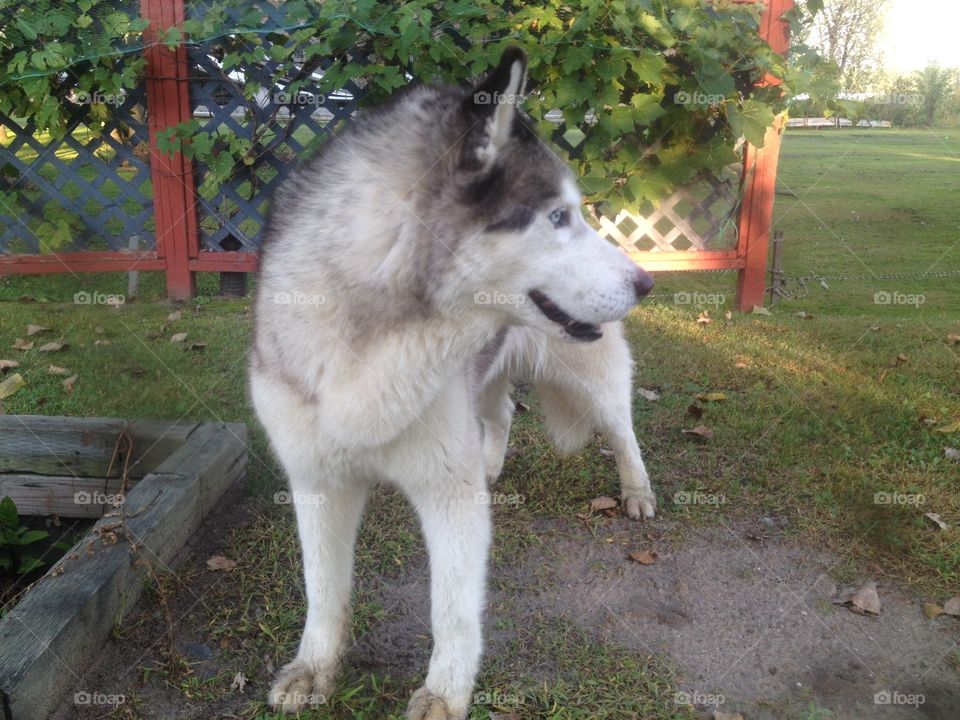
[[819, 415]]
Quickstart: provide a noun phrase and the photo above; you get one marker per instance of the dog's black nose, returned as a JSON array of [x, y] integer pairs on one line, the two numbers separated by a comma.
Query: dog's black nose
[[642, 283]]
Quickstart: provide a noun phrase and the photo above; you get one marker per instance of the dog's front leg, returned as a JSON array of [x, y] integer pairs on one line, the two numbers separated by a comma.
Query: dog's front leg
[[456, 526], [327, 520]]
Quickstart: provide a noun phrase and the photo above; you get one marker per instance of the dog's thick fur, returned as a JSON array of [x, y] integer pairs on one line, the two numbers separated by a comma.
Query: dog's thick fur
[[431, 254]]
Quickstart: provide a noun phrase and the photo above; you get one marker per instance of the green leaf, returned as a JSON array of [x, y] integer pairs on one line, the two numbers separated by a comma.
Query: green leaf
[[29, 32], [29, 564], [8, 513], [32, 536], [751, 121], [646, 107]]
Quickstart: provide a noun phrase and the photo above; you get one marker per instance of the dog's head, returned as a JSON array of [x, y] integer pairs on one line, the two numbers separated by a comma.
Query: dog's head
[[536, 260]]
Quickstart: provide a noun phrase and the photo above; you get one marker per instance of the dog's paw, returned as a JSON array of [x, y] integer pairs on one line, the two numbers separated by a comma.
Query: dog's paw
[[300, 684], [639, 504], [424, 705]]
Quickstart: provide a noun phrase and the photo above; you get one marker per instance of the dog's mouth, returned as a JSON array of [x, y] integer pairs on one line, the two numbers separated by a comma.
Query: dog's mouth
[[587, 332]]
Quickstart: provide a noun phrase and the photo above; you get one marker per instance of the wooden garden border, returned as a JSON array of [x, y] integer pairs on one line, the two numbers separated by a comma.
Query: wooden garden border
[[49, 638], [178, 250]]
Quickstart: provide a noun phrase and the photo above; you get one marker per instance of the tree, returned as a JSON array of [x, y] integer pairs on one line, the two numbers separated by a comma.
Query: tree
[[845, 32], [934, 87]]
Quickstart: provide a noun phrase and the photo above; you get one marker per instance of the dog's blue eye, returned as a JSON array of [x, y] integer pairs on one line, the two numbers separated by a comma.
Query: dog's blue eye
[[559, 217]]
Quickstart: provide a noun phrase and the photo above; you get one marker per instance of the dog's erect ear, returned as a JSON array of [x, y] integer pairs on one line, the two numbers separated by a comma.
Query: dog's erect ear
[[492, 107]]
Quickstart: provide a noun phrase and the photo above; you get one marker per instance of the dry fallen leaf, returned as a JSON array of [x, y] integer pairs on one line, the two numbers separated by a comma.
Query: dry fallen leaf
[[724, 715], [899, 360], [602, 503], [932, 610], [239, 682], [695, 410], [52, 347], [728, 316], [701, 431], [174, 316], [195, 346], [951, 453], [804, 315], [154, 334], [98, 330], [712, 397], [9, 386], [21, 344], [953, 427], [953, 338], [34, 329], [219, 562], [704, 318], [650, 395], [863, 601], [760, 310], [741, 366], [69, 383], [8, 365], [874, 328], [179, 337], [101, 343], [57, 370], [935, 517], [645, 557], [952, 606]]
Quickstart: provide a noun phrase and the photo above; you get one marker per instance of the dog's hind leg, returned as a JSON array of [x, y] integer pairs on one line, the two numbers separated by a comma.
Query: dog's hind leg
[[587, 387], [327, 521], [496, 415], [456, 526]]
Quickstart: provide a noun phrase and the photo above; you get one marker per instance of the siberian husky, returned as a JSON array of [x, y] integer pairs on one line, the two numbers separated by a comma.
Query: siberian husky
[[430, 254]]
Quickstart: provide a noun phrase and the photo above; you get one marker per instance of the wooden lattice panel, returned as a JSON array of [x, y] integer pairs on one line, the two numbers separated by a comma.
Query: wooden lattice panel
[[698, 216]]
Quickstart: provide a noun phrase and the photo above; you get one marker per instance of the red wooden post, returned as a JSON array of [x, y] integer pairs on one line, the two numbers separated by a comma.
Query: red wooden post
[[760, 180], [168, 103]]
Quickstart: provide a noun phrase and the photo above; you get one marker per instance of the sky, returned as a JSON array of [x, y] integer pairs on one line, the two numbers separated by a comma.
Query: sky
[[918, 31]]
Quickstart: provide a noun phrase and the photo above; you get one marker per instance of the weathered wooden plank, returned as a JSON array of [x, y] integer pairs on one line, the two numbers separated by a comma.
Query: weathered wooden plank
[[65, 618], [63, 621], [84, 446], [63, 495], [217, 449], [58, 446]]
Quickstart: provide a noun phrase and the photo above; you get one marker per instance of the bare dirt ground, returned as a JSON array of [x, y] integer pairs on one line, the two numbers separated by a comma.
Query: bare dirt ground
[[743, 613]]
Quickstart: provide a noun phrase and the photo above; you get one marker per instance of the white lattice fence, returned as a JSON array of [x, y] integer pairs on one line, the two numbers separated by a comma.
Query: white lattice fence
[[698, 216]]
